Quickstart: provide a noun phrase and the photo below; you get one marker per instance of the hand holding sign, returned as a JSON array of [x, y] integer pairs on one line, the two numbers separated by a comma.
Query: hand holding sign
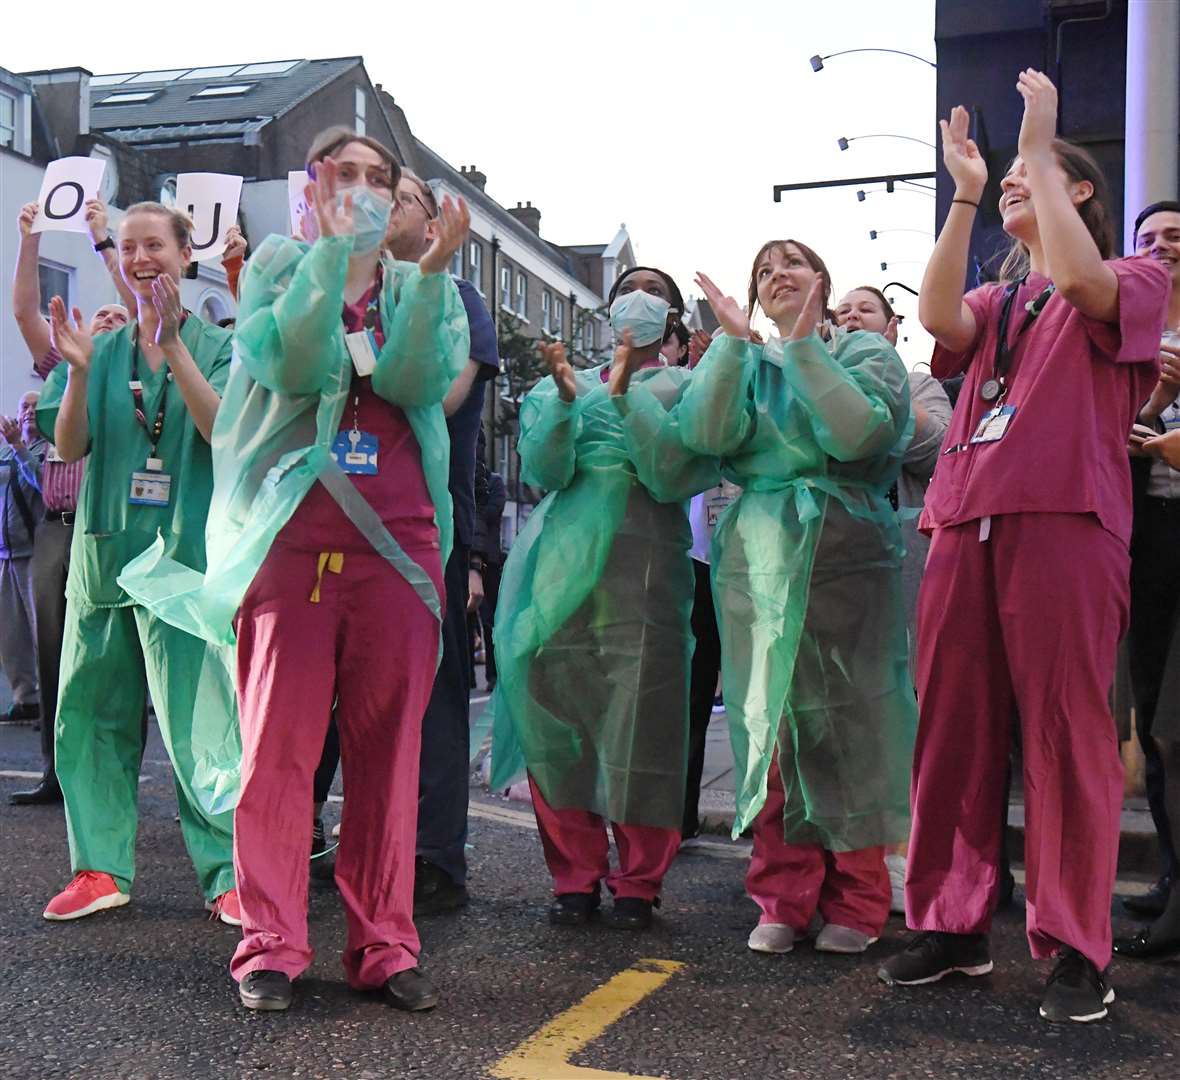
[[211, 200], [67, 184]]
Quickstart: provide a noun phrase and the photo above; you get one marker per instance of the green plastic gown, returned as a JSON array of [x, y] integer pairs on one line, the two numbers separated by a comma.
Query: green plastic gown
[[806, 568], [111, 644], [280, 412], [593, 641]]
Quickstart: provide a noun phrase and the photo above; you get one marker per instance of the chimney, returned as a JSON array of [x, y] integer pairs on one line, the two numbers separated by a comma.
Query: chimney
[[527, 215], [474, 176], [64, 97]]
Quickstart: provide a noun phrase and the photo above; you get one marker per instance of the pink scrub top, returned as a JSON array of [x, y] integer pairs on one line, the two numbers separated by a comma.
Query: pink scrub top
[[398, 491], [1077, 384]]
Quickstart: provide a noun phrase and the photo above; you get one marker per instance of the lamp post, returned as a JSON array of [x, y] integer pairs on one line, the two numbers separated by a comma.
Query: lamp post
[[817, 62], [890, 189], [843, 142]]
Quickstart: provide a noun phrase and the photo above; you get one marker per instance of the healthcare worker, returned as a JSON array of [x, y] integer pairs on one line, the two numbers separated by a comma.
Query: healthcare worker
[[327, 536], [807, 585], [141, 401], [592, 630], [1025, 594]]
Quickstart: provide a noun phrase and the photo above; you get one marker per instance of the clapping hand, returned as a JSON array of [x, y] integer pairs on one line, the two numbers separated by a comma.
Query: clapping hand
[[961, 156], [10, 432], [330, 217], [451, 227], [698, 345], [1039, 125], [623, 366], [813, 311], [73, 341], [561, 370], [166, 301], [730, 314]]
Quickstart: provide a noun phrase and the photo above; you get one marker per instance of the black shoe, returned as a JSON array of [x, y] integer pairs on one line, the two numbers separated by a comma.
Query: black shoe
[[1146, 945], [630, 913], [435, 893], [1076, 990], [265, 991], [43, 794], [932, 954], [573, 908], [1152, 903], [21, 714], [410, 990], [323, 865]]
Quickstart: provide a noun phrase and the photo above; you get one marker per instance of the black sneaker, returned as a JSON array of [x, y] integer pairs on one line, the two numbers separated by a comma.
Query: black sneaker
[[435, 893], [629, 913], [323, 863], [265, 991], [573, 909], [1152, 903], [410, 991], [933, 954], [1076, 990]]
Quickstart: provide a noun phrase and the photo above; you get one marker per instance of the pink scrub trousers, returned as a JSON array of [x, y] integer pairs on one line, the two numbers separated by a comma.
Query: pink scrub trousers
[[1029, 618], [370, 645], [791, 882], [577, 852]]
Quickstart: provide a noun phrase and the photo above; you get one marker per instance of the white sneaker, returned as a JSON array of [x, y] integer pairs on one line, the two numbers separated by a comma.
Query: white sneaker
[[895, 864], [772, 938], [842, 939]]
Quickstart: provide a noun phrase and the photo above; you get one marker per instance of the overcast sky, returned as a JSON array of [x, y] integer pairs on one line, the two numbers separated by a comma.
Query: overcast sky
[[675, 118]]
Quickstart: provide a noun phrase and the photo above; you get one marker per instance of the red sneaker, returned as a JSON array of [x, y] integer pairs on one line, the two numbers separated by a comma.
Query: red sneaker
[[226, 908], [90, 891]]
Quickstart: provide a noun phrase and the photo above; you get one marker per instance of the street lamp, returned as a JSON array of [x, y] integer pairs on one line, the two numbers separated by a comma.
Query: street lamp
[[843, 142], [817, 62], [874, 233], [889, 189], [903, 262]]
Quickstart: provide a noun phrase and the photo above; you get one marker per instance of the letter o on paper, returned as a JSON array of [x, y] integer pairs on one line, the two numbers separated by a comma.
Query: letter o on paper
[[79, 199]]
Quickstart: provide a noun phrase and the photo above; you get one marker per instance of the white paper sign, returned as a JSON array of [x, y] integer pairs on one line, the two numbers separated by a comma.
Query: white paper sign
[[67, 184], [211, 200], [297, 180]]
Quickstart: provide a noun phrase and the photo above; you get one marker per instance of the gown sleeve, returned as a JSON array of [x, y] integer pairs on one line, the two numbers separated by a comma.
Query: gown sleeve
[[548, 431], [715, 410]]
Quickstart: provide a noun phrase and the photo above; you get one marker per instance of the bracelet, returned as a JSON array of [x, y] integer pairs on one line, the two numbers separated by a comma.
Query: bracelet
[[965, 202], [102, 245]]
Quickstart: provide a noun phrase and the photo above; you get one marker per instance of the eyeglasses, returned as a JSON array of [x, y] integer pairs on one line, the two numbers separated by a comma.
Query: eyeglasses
[[407, 199]]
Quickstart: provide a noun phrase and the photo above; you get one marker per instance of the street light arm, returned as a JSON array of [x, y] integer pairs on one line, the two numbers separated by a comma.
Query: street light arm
[[817, 62], [843, 143]]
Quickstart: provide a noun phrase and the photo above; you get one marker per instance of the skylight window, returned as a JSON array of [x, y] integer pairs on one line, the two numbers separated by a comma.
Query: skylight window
[[232, 90], [128, 99], [275, 68], [159, 76], [110, 80], [210, 72]]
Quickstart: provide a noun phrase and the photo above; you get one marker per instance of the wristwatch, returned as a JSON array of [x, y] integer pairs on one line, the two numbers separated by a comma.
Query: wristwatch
[[102, 245]]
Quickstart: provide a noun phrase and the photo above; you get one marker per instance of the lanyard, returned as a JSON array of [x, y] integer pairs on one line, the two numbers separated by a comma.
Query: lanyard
[[370, 323], [157, 429], [997, 386]]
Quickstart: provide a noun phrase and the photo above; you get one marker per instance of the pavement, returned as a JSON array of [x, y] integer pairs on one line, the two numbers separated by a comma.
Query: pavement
[[144, 992]]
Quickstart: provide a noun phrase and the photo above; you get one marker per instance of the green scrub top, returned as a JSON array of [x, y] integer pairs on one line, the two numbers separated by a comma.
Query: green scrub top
[[109, 529]]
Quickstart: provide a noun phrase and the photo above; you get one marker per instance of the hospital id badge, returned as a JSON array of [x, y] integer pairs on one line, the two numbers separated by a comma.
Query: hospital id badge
[[993, 424], [356, 452], [362, 347], [52, 456], [150, 488]]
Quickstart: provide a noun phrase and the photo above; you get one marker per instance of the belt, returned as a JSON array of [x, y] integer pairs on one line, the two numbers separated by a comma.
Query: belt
[[66, 517]]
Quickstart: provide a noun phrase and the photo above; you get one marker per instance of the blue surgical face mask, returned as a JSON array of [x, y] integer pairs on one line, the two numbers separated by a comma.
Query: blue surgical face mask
[[645, 315], [370, 217]]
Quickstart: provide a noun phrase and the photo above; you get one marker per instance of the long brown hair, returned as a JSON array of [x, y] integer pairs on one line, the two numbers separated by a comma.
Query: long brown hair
[[809, 256], [1078, 165]]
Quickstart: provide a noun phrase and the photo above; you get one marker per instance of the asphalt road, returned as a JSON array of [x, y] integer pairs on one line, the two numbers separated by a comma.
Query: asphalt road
[[144, 991]]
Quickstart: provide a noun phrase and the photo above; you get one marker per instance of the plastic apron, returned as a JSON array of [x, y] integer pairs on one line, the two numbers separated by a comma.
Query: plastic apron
[[593, 641], [281, 410], [807, 579]]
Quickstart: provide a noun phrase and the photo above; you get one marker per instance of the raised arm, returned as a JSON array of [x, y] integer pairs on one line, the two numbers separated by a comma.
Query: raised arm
[[549, 425], [940, 301], [96, 222], [200, 398], [1073, 261], [26, 286], [67, 387]]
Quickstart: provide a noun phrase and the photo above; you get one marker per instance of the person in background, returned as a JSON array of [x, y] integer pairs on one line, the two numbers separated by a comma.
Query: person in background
[[1153, 641], [22, 451], [1032, 496], [488, 543], [866, 308]]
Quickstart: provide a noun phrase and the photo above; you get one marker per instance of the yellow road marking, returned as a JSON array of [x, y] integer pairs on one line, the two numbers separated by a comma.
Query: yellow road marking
[[545, 1055]]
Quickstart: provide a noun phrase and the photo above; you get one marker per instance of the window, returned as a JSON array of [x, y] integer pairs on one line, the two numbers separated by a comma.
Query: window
[[358, 122], [522, 296], [110, 80], [588, 335], [558, 316], [227, 90], [54, 280], [158, 76], [457, 263], [506, 287], [129, 99], [475, 265], [275, 68], [7, 120], [205, 73], [546, 311]]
